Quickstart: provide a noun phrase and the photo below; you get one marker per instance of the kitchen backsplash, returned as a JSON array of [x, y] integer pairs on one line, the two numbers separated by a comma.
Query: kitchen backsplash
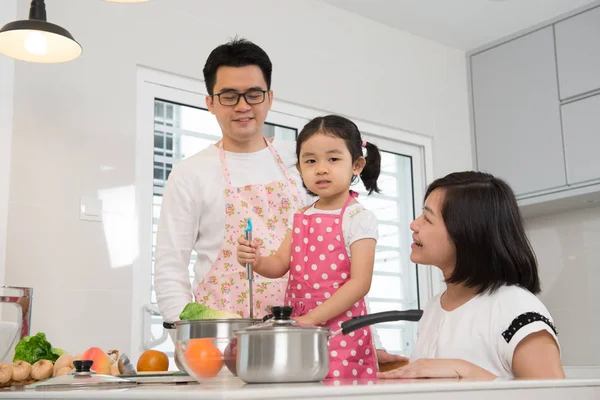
[[567, 246]]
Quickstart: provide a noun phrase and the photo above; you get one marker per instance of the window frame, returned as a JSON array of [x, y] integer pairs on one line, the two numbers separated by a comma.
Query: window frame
[[153, 84]]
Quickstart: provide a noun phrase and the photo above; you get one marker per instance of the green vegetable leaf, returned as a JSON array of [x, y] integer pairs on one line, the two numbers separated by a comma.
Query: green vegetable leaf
[[35, 348], [200, 311], [58, 352]]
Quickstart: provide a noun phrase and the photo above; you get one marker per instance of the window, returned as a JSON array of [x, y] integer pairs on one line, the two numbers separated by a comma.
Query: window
[[181, 127], [179, 132], [395, 283]]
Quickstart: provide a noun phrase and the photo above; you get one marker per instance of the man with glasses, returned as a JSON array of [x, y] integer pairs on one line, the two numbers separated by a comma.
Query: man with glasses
[[210, 196]]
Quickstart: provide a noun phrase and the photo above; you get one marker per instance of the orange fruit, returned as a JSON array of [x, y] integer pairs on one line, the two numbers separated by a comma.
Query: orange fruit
[[153, 360], [203, 358]]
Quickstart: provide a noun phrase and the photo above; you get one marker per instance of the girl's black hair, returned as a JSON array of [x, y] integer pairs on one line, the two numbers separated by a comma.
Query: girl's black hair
[[484, 222], [343, 128]]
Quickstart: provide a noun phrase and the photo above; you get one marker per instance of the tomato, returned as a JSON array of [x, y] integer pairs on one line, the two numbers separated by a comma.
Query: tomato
[[203, 358]]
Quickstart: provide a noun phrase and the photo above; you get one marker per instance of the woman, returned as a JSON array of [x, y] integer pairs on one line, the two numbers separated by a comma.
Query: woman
[[488, 323]]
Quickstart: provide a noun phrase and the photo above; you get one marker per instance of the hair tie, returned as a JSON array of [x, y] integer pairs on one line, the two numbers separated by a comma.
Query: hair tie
[[364, 143]]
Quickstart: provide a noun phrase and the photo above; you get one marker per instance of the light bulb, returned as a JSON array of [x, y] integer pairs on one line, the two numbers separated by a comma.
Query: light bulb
[[36, 43]]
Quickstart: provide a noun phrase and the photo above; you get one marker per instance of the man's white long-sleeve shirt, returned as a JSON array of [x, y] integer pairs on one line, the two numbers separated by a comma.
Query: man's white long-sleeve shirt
[[192, 216]]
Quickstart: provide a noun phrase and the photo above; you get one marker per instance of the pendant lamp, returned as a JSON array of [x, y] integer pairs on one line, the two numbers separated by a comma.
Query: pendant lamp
[[127, 1], [37, 40]]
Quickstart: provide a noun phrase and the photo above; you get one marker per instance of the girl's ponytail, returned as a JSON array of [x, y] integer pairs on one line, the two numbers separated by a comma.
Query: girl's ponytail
[[370, 172]]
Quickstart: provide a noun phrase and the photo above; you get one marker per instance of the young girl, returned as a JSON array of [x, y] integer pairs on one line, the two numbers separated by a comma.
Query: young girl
[[330, 249], [488, 323]]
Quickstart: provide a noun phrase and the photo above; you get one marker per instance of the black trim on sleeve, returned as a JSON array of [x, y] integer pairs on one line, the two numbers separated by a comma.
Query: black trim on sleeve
[[525, 319]]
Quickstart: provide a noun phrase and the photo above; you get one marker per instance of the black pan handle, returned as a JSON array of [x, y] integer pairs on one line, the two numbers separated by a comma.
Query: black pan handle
[[168, 325], [267, 317], [387, 316]]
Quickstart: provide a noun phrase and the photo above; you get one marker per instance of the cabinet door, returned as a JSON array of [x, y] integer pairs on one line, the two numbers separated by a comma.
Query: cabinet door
[[517, 113], [581, 127], [578, 53]]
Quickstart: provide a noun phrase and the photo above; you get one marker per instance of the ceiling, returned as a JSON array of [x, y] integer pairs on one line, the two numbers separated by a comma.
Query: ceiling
[[462, 24]]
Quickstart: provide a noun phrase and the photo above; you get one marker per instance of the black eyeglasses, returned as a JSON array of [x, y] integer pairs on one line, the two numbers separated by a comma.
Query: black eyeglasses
[[252, 97]]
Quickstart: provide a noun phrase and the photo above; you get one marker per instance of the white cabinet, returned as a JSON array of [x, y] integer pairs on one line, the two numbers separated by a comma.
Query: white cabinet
[[578, 53], [517, 113], [581, 127], [536, 113]]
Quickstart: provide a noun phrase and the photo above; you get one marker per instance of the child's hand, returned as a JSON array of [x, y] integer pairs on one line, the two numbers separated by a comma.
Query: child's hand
[[306, 320], [247, 253]]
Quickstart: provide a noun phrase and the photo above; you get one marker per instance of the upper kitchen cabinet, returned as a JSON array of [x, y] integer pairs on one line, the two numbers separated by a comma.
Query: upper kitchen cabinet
[[581, 127], [578, 53], [516, 110]]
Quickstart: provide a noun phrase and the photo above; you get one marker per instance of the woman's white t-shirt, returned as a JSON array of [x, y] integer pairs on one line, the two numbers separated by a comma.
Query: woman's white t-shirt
[[484, 331]]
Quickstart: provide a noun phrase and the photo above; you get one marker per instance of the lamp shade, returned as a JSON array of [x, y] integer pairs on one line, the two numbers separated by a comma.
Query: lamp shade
[[36, 40]]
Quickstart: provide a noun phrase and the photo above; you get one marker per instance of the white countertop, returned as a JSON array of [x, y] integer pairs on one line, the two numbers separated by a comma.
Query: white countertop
[[233, 388]]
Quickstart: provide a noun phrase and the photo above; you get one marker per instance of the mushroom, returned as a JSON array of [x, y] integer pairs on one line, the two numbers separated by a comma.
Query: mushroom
[[64, 361], [21, 370], [63, 371], [6, 372], [114, 370], [42, 370]]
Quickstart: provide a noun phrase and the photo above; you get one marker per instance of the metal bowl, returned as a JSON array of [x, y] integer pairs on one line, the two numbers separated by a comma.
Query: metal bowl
[[222, 330]]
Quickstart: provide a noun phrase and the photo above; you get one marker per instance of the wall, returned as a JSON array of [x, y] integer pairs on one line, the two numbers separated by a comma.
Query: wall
[[8, 13], [566, 246], [74, 129]]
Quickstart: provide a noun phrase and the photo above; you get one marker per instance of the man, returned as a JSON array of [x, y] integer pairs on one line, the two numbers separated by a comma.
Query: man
[[210, 196]]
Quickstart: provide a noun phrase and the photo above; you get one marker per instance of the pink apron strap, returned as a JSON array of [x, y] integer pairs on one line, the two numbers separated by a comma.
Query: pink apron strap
[[351, 196], [227, 176]]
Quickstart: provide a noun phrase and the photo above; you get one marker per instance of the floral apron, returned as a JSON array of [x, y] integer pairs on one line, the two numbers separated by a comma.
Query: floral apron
[[225, 286]]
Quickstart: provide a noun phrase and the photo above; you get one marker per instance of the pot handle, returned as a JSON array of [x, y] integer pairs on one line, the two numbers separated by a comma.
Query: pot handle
[[168, 325], [377, 318]]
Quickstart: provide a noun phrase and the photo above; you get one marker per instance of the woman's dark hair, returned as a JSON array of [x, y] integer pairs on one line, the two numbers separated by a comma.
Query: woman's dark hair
[[484, 222], [238, 52], [343, 128]]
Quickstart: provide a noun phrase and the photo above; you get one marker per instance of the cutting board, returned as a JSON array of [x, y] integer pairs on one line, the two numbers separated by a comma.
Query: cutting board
[[160, 377], [392, 365]]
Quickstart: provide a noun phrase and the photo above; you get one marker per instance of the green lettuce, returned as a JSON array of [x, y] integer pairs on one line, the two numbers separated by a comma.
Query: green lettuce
[[35, 348], [199, 311]]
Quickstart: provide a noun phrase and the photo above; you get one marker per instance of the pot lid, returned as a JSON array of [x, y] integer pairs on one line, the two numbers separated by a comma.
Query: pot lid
[[280, 320], [82, 377]]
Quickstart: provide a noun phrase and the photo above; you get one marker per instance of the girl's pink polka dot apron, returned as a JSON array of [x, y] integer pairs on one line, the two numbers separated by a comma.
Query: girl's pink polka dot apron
[[319, 266]]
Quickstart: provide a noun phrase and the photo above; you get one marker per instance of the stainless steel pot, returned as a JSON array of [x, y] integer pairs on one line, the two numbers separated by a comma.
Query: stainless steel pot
[[208, 328], [282, 350]]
